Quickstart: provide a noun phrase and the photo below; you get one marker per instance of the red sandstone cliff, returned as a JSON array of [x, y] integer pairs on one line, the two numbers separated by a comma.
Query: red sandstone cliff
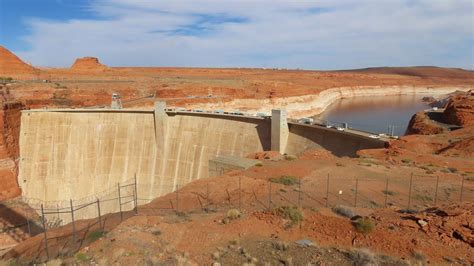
[[460, 110], [10, 113], [421, 124]]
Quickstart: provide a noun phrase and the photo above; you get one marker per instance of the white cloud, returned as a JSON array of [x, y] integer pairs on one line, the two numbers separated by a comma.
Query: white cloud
[[267, 33]]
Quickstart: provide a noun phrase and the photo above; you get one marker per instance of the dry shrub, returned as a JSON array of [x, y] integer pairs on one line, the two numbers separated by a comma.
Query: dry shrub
[[364, 225], [292, 213], [233, 214]]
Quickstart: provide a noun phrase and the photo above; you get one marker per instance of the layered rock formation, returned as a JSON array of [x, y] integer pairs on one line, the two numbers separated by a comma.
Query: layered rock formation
[[460, 110], [421, 124], [314, 104], [88, 64], [9, 148]]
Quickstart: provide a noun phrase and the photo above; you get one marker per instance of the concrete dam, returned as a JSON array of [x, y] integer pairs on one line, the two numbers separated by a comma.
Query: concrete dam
[[78, 153]]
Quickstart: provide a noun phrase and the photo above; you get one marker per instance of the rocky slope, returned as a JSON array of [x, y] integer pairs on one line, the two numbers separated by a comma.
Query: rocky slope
[[12, 66]]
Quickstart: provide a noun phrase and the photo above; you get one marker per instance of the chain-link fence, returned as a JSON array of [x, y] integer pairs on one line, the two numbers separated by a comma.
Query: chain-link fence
[[246, 194]]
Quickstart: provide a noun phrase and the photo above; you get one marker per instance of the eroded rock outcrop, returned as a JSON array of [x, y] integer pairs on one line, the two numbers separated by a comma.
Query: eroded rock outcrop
[[460, 109], [88, 64], [421, 124], [10, 113]]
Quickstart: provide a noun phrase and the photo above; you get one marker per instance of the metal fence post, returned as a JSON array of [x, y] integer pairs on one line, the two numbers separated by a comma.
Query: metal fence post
[[136, 194], [43, 220], [356, 188], [177, 198], [269, 195], [327, 192], [98, 213], [409, 191], [207, 196], [299, 193], [28, 221], [73, 223], [386, 192], [240, 193], [462, 189], [120, 202], [436, 191]]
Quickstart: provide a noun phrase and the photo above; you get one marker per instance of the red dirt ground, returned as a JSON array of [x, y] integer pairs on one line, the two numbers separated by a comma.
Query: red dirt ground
[[160, 235]]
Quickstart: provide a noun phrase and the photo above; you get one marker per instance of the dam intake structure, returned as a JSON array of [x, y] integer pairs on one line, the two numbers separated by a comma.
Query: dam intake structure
[[75, 153]]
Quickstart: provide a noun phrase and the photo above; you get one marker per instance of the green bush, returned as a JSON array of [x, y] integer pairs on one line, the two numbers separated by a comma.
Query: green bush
[[82, 257], [406, 160], [364, 225], [423, 197], [94, 235], [290, 157], [389, 192], [6, 79], [292, 213], [285, 180]]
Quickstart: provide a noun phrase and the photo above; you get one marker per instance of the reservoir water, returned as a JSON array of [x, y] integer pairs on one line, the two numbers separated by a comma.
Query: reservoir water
[[375, 113]]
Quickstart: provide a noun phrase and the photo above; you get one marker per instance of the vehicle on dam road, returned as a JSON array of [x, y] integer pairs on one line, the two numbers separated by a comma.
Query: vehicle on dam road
[[306, 120]]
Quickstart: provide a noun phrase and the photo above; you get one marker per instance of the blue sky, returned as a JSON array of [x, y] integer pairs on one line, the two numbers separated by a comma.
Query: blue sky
[[316, 34], [14, 13]]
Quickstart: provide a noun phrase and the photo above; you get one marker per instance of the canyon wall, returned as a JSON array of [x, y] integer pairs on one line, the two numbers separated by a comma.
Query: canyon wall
[[10, 113], [314, 104]]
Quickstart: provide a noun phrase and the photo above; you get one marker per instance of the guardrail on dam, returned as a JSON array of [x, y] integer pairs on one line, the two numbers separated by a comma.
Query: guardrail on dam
[[75, 153]]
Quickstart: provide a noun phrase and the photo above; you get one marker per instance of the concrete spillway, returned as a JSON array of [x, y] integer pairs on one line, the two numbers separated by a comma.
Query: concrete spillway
[[73, 154]]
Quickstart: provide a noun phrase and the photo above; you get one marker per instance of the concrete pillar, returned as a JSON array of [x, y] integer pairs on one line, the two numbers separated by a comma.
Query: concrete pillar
[[280, 131], [161, 125]]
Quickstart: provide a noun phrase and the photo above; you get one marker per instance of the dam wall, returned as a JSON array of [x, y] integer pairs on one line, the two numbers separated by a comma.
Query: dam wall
[[74, 154], [341, 143], [82, 154]]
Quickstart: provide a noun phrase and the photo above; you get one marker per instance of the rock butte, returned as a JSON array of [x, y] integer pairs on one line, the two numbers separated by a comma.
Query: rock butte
[[88, 64]]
